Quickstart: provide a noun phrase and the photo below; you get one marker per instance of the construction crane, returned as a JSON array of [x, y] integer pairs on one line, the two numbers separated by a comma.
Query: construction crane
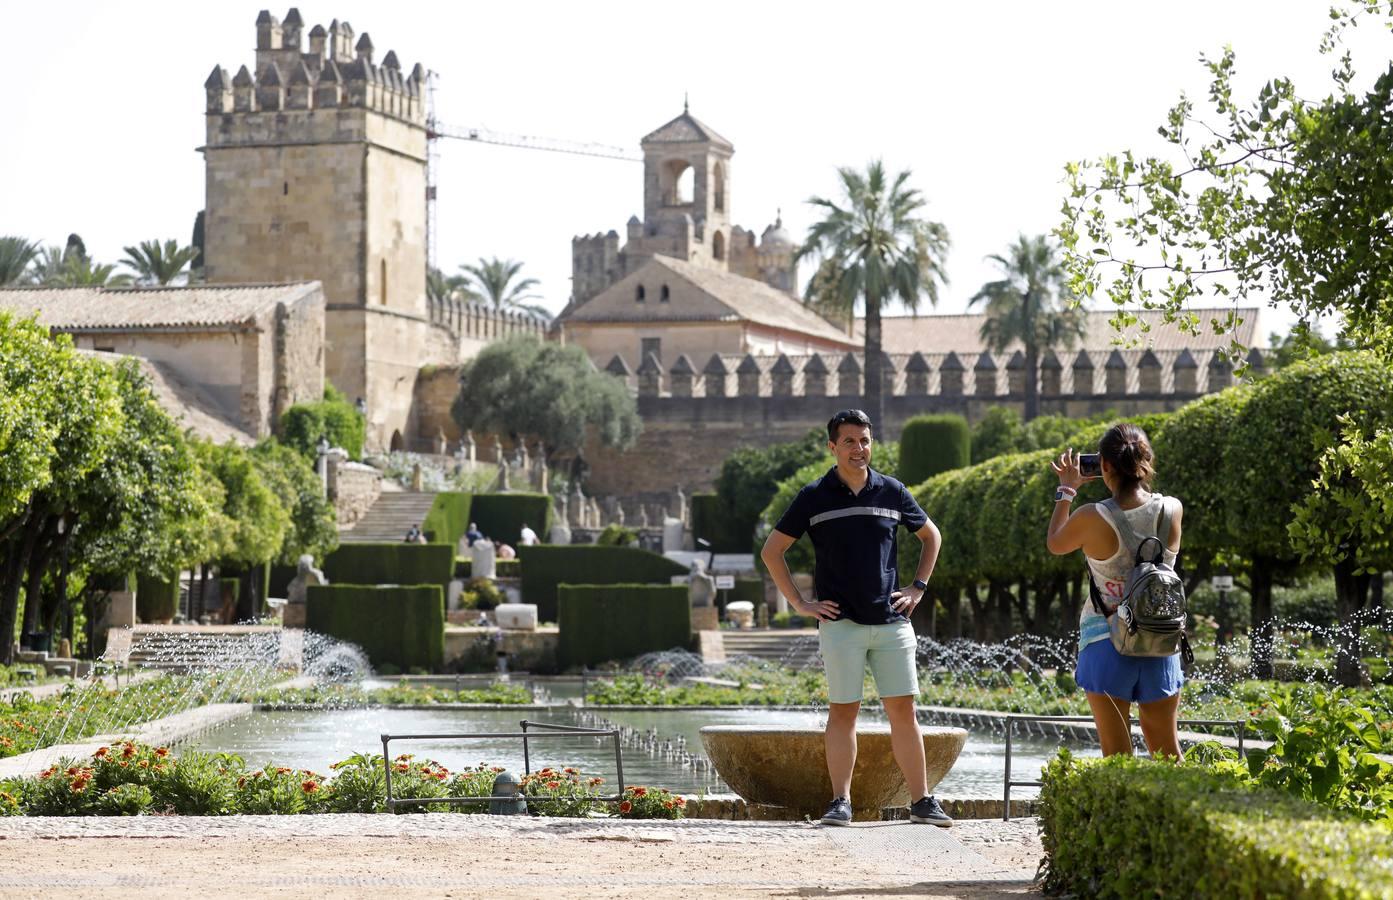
[[436, 130]]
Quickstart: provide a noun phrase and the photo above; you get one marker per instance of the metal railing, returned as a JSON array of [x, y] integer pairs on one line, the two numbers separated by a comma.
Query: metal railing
[[548, 730], [1239, 725]]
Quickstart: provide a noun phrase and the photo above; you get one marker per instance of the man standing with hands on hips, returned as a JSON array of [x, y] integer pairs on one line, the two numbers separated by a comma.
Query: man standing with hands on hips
[[852, 515]]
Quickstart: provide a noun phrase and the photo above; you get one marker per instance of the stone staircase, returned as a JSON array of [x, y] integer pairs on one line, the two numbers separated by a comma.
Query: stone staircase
[[184, 647], [389, 518], [791, 647]]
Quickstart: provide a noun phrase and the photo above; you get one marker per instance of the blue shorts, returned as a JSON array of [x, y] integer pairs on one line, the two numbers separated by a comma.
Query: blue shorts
[[1136, 679]]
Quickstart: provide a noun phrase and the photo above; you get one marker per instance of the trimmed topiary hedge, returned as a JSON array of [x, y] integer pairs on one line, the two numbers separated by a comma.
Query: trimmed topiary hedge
[[501, 516], [156, 599], [399, 626], [546, 566], [599, 623], [714, 520], [1124, 827], [750, 590], [503, 568], [448, 518], [396, 563], [932, 444]]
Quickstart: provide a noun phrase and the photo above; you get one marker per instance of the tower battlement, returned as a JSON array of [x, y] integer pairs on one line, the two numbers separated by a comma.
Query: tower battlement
[[333, 72]]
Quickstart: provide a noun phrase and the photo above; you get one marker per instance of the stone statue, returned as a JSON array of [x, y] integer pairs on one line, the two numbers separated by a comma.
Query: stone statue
[[681, 505], [497, 449], [442, 446], [467, 447], [483, 559], [577, 507], [642, 515], [701, 590], [502, 484], [619, 514], [306, 574]]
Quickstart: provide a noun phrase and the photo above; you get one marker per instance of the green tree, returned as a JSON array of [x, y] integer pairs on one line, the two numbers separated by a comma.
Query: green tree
[[999, 431], [1302, 342], [258, 522], [158, 263], [441, 287], [72, 267], [313, 522], [333, 418], [1347, 522], [494, 284], [1027, 305], [930, 444], [16, 256], [1278, 198], [749, 478], [871, 249], [548, 392]]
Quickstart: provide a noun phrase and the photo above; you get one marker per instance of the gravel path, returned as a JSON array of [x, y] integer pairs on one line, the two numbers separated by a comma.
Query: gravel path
[[463, 856]]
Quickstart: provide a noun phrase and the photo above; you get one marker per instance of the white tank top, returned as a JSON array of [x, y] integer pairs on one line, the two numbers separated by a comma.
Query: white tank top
[[1110, 575]]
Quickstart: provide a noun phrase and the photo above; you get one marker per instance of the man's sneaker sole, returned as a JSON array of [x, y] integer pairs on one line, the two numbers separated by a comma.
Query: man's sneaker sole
[[835, 821], [922, 820]]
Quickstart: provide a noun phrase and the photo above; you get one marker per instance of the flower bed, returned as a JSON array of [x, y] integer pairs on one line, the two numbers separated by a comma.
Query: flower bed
[[354, 696], [128, 778]]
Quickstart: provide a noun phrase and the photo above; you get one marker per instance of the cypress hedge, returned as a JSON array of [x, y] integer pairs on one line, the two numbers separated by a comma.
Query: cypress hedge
[[1124, 827], [156, 598], [399, 626], [393, 564], [714, 520], [448, 518], [501, 516], [931, 444], [546, 566], [605, 622]]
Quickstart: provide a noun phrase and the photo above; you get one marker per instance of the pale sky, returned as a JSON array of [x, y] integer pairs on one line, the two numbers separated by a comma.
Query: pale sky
[[103, 106]]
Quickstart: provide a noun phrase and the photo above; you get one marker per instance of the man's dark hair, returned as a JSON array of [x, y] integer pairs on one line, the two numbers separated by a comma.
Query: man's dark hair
[[846, 417]]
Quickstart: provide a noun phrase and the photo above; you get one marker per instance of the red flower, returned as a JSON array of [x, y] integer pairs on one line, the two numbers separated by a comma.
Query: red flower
[[668, 804], [72, 770], [402, 767], [282, 770], [145, 763], [162, 752], [595, 781], [553, 784], [638, 791], [626, 807], [101, 752], [309, 787], [569, 771], [128, 751], [681, 801], [242, 782]]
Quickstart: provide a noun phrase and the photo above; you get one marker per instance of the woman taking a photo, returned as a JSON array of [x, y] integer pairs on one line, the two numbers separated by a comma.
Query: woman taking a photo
[[1111, 680]]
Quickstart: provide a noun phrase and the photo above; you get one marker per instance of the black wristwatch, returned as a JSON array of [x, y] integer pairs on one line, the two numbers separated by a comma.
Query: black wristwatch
[[921, 585]]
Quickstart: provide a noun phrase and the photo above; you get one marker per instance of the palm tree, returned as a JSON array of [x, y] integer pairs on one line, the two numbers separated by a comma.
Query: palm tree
[[1027, 305], [441, 287], [16, 253], [156, 263], [874, 248], [494, 281], [70, 267]]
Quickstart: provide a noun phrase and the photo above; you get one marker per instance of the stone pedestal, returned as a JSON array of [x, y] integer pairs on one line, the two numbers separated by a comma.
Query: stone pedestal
[[122, 611], [673, 530], [704, 618], [560, 533], [482, 557]]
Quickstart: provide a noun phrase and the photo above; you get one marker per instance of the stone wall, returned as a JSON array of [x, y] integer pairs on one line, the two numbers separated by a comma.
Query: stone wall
[[353, 488], [299, 353], [210, 359]]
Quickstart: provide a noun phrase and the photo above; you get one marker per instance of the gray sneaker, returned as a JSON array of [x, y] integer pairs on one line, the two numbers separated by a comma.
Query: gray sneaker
[[927, 811], [839, 813]]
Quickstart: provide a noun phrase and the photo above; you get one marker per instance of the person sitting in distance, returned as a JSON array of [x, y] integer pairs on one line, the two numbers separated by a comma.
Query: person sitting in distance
[[527, 537], [504, 551], [414, 536], [473, 534]]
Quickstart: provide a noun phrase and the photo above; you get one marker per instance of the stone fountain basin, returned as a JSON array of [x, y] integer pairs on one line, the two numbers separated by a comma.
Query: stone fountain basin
[[787, 766]]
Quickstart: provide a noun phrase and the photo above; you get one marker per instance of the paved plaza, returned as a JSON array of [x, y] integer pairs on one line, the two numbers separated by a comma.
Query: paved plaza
[[464, 856]]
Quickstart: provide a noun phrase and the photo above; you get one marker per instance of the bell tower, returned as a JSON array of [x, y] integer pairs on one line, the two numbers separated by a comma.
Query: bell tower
[[686, 192]]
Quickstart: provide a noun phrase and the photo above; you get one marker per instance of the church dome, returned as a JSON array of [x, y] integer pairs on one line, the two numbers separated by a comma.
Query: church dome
[[776, 234]]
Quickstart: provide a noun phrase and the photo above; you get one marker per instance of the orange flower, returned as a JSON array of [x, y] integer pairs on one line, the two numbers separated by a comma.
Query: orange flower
[[402, 767], [496, 769], [242, 782], [282, 770], [309, 787], [595, 781], [101, 752], [681, 801], [626, 807], [124, 764], [72, 770], [145, 763], [668, 804], [638, 791], [6, 742], [128, 751], [162, 751], [553, 784], [569, 771]]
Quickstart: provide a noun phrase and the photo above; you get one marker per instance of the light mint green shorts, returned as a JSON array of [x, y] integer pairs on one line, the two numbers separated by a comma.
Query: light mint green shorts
[[847, 647]]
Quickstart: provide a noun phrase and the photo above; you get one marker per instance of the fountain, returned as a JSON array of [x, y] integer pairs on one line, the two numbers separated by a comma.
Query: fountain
[[787, 767]]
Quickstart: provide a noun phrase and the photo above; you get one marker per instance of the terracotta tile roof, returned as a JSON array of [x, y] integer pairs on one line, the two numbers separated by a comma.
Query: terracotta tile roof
[[216, 307], [701, 294], [960, 333], [686, 128]]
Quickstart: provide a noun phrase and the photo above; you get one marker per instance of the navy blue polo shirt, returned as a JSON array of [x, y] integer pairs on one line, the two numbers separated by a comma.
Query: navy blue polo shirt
[[854, 536]]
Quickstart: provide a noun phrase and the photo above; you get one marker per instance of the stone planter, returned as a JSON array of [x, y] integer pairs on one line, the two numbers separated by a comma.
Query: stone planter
[[787, 767]]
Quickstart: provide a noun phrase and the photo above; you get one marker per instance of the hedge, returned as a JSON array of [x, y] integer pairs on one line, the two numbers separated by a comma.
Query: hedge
[[399, 626], [1124, 827], [156, 598], [602, 622], [715, 521], [933, 444], [395, 563], [751, 590], [501, 516], [546, 566], [448, 518]]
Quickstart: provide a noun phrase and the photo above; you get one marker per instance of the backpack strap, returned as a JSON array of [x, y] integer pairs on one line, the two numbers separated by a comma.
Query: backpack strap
[[1163, 529], [1093, 595], [1134, 542]]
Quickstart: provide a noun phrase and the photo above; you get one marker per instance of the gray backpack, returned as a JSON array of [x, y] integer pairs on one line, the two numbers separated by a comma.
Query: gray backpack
[[1150, 620]]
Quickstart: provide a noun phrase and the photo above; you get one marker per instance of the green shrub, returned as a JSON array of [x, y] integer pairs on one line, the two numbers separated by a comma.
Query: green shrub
[[485, 593], [334, 417], [546, 566], [397, 626], [932, 444], [501, 516], [126, 800], [714, 521], [395, 563], [1124, 827], [449, 518], [616, 535], [792, 620], [604, 622], [156, 598], [750, 590]]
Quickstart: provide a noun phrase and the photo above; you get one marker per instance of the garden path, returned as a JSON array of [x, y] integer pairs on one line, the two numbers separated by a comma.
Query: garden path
[[466, 855]]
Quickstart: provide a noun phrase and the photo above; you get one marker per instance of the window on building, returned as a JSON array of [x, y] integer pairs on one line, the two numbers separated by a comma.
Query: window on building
[[718, 246], [664, 295], [679, 180], [650, 345], [639, 294], [720, 191]]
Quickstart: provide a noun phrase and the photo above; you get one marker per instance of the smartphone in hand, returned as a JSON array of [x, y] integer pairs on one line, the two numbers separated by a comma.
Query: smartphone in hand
[[1090, 465]]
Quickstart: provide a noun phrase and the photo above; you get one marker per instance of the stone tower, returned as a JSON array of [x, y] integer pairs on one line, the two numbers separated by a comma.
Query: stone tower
[[316, 170], [686, 215]]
